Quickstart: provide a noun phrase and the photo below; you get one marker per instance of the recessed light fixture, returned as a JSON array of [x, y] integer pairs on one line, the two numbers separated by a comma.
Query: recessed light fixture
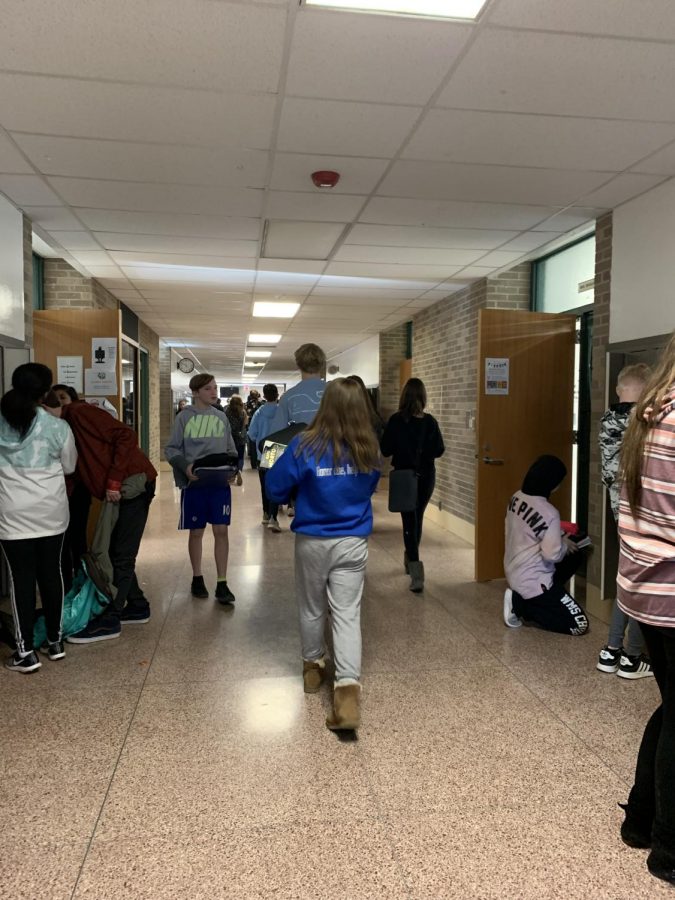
[[440, 9], [264, 338], [258, 354], [253, 365], [265, 310]]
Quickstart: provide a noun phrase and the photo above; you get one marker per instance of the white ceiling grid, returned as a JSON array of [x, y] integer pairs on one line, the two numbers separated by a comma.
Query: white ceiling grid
[[151, 140]]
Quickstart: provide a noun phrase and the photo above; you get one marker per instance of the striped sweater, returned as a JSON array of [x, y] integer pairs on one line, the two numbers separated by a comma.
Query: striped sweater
[[646, 579]]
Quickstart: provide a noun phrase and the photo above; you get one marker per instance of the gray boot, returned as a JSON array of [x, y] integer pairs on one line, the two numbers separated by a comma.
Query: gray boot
[[416, 577]]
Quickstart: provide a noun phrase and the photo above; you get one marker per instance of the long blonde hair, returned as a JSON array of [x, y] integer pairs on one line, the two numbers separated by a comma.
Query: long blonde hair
[[644, 415], [343, 425]]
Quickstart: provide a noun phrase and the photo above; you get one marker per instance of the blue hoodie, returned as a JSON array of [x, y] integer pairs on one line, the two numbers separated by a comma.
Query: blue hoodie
[[261, 424], [331, 502]]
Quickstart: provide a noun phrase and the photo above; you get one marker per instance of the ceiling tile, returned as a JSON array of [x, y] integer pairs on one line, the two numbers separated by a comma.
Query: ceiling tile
[[126, 258], [333, 127], [337, 293], [577, 76], [190, 276], [134, 112], [300, 240], [226, 46], [78, 240], [11, 159], [292, 172], [28, 190], [661, 163], [456, 135], [161, 243], [568, 219], [647, 19], [53, 218], [406, 255], [124, 161], [495, 184], [498, 258], [292, 266], [240, 228], [93, 258], [450, 238], [403, 273], [318, 207], [180, 198], [381, 58], [392, 211], [622, 188], [477, 271], [530, 240]]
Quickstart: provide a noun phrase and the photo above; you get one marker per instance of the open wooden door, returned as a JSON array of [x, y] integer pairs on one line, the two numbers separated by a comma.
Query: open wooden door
[[525, 408]]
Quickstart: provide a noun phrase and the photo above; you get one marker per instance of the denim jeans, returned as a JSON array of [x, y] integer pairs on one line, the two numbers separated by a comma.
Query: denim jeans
[[651, 804]]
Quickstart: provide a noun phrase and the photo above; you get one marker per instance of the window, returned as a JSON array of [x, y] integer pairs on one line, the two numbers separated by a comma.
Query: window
[[565, 280]]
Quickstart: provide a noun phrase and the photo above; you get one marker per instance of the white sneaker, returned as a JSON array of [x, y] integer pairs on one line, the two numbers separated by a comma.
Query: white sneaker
[[511, 620], [274, 525]]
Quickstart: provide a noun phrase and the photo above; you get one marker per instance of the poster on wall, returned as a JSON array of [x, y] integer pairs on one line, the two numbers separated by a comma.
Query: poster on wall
[[104, 353], [496, 376], [100, 382], [70, 370]]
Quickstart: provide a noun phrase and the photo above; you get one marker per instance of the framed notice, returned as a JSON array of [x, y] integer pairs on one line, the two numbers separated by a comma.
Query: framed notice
[[496, 376], [70, 370]]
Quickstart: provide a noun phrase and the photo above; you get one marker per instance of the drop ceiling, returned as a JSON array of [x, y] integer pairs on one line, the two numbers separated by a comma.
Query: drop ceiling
[[154, 144]]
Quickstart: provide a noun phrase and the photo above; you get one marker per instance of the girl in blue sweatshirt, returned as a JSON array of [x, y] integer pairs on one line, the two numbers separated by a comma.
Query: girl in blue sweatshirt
[[334, 464]]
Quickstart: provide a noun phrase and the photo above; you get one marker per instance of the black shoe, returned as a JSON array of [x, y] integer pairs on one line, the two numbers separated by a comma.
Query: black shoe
[[633, 833], [661, 866], [137, 615], [24, 664], [105, 627], [56, 650], [198, 588], [223, 594]]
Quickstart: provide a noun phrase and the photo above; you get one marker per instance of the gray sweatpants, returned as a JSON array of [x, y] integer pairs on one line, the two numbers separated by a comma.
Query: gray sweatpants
[[330, 572]]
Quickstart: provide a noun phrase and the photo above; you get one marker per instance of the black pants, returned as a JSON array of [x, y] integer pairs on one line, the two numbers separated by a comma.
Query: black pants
[[269, 508], [413, 521], [34, 560], [124, 545], [651, 804], [554, 609], [75, 541], [252, 453]]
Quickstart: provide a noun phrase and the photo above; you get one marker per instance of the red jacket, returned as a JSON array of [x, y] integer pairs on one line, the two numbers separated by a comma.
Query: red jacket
[[107, 450]]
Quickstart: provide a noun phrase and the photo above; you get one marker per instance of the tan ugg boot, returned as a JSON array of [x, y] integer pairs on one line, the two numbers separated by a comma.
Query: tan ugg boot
[[313, 672], [346, 713]]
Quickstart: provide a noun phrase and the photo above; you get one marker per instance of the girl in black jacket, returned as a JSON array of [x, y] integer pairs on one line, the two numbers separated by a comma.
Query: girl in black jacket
[[414, 441]]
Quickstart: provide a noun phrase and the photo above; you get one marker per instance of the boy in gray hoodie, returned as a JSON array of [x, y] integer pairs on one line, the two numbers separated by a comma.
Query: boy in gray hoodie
[[202, 437]]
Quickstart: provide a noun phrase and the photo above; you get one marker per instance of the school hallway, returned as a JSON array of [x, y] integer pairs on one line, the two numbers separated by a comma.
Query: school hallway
[[184, 761]]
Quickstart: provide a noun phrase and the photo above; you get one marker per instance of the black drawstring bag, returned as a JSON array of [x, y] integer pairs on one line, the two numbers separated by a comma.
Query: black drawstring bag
[[403, 483]]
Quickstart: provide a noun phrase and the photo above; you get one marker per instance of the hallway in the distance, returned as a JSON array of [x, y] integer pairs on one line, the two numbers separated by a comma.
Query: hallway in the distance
[[184, 761]]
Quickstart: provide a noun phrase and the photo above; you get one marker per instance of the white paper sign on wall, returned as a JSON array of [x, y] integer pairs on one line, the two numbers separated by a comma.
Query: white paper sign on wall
[[496, 375]]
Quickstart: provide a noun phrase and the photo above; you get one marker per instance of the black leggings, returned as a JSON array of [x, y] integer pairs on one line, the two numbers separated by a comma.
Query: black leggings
[[554, 609], [269, 508], [32, 560], [413, 521]]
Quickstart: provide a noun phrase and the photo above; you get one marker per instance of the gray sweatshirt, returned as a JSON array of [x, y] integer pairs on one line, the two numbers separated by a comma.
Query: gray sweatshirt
[[533, 544], [197, 433]]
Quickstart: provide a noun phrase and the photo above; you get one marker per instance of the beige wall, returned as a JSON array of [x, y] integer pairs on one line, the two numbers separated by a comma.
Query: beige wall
[[148, 339]]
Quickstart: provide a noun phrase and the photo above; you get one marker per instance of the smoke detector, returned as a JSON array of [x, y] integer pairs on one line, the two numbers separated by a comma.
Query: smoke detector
[[333, 370], [325, 178]]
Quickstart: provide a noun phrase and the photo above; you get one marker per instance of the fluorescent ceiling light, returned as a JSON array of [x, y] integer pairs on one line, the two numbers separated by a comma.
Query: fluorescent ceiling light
[[252, 365], [442, 9], [265, 310], [259, 354], [264, 338]]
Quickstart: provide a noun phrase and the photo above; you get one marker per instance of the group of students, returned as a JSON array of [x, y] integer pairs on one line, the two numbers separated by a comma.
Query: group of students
[[637, 444]]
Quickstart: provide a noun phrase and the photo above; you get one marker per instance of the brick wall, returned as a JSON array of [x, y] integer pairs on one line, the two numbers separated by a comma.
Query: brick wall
[[596, 499], [150, 341], [65, 288], [392, 353], [166, 412], [28, 280], [445, 352]]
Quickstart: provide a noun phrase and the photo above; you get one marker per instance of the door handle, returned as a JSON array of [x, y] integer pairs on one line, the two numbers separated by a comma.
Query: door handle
[[491, 461]]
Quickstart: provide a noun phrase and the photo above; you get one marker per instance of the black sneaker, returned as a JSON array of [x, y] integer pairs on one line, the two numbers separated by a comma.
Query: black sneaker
[[137, 615], [634, 667], [103, 628], [198, 588], [223, 594], [24, 664], [56, 650], [608, 661]]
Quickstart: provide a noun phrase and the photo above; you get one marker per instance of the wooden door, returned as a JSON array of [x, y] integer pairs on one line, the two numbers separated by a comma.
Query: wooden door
[[525, 408]]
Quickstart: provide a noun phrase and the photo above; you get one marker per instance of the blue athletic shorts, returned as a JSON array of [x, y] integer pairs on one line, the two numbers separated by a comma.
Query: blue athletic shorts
[[202, 506]]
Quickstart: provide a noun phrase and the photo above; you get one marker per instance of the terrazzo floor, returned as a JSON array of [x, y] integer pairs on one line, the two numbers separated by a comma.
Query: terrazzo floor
[[184, 761]]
